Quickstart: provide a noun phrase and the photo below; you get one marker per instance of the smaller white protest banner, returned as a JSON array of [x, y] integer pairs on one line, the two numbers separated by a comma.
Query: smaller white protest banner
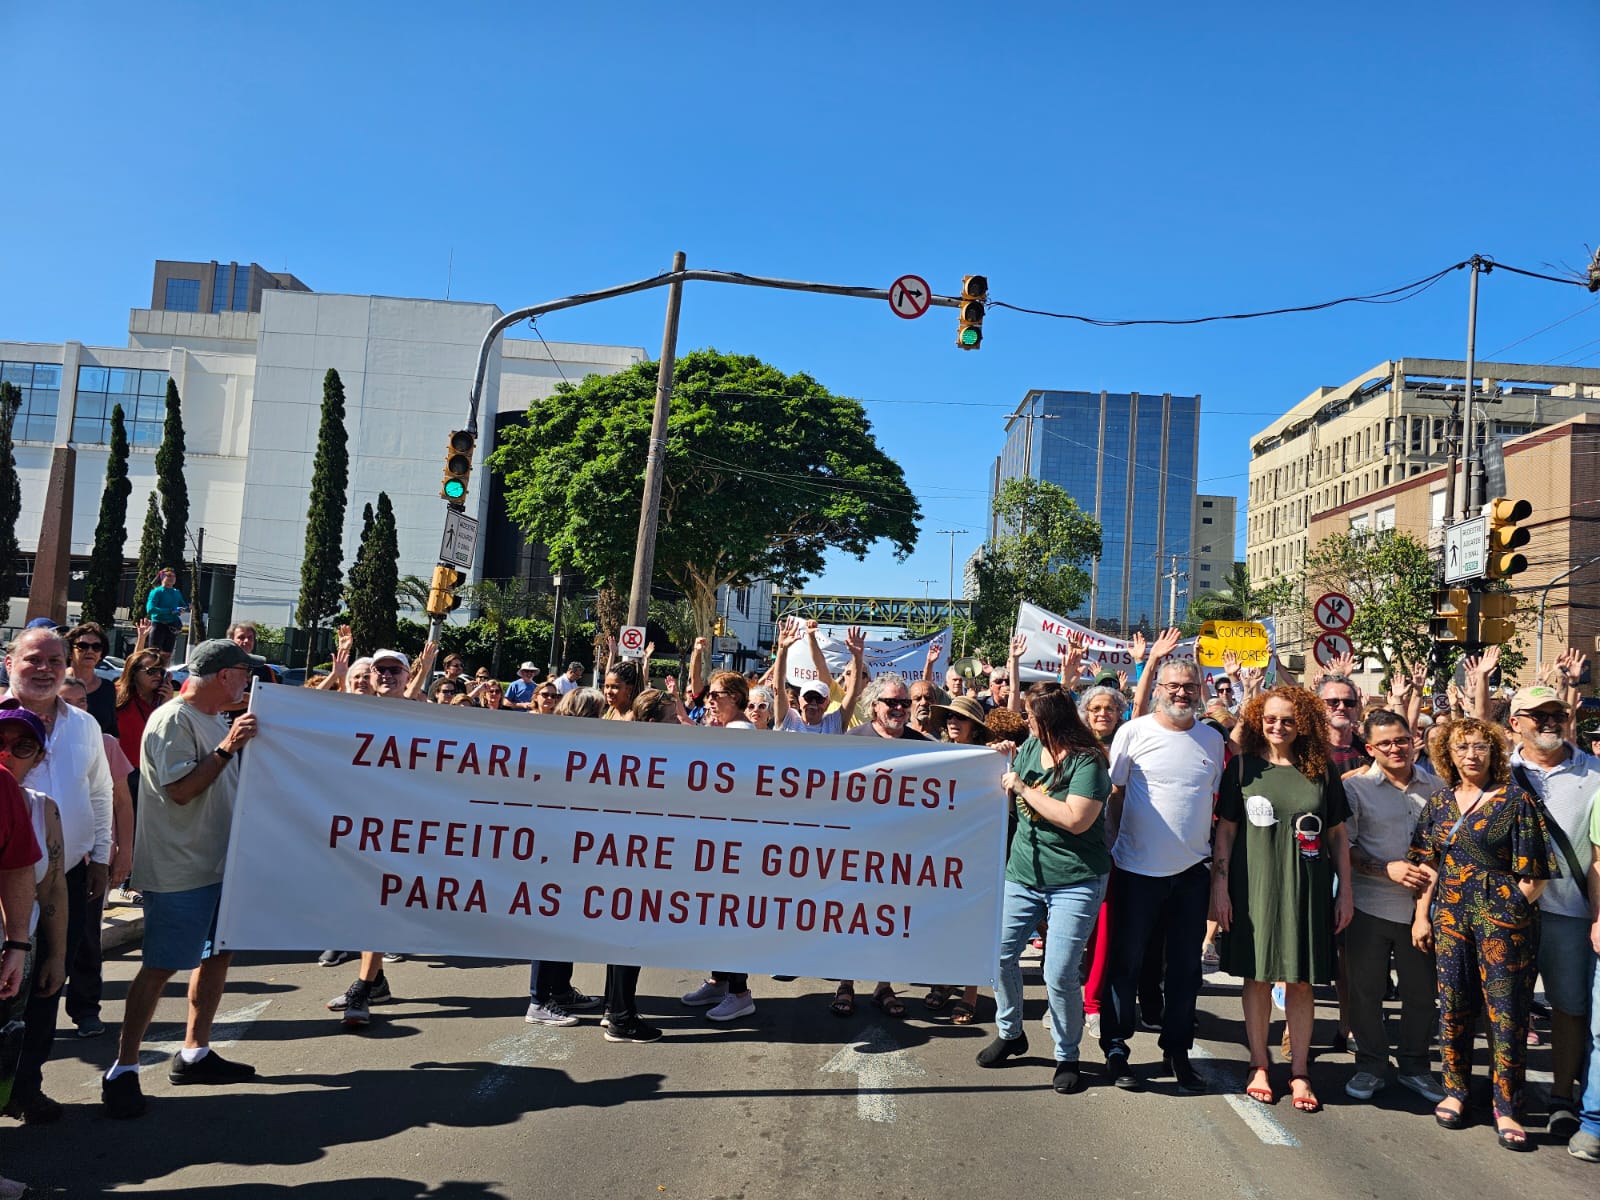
[[440, 830], [905, 658], [1049, 636]]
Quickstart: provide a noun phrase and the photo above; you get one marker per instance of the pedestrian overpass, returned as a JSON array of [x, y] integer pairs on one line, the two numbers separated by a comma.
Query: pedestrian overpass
[[889, 611]]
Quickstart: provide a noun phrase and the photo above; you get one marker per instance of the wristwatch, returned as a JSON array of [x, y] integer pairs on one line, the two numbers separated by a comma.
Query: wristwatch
[[13, 944], [225, 755]]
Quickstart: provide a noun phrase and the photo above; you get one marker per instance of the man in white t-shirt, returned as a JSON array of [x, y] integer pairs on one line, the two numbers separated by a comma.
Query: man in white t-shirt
[[1165, 769], [813, 715], [570, 678]]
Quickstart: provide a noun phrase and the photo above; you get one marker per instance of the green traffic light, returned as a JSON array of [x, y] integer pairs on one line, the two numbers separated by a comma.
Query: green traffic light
[[454, 489], [969, 337]]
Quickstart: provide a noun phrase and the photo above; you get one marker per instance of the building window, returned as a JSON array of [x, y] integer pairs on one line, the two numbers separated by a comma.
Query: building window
[[1205, 520], [1436, 508], [221, 284], [183, 295], [142, 394], [1360, 524], [1383, 518], [241, 289], [1205, 504], [40, 385]]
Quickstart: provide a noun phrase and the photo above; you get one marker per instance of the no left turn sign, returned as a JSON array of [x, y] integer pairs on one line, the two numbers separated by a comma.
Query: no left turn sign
[[909, 296]]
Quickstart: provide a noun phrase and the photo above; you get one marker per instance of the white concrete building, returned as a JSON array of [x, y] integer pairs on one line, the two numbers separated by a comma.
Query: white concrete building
[[251, 384]]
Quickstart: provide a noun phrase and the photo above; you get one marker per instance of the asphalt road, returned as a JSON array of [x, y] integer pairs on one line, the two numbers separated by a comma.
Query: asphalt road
[[449, 1094]]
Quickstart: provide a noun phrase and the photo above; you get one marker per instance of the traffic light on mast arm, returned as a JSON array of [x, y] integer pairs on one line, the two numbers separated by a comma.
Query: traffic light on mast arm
[[1496, 618], [1450, 611], [457, 466], [974, 295], [1506, 537], [442, 598]]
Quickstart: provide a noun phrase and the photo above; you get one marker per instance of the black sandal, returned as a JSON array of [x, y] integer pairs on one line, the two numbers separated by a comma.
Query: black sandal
[[844, 1001]]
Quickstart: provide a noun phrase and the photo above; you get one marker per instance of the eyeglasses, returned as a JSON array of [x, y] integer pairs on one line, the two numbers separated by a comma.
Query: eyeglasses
[[1282, 722], [719, 695], [97, 647], [1392, 746], [895, 705], [396, 670], [1338, 702], [1177, 689], [1542, 717], [156, 670], [1476, 749], [756, 704], [22, 747]]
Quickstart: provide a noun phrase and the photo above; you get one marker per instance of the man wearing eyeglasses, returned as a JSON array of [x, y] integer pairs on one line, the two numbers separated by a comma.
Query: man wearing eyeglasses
[[1565, 778], [1342, 703], [189, 775], [1385, 801]]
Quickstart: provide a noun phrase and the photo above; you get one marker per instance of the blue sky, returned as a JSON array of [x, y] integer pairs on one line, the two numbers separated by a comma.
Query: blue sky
[[1163, 159]]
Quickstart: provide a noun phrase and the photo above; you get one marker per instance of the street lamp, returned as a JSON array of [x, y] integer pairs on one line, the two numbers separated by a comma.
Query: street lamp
[[556, 644]]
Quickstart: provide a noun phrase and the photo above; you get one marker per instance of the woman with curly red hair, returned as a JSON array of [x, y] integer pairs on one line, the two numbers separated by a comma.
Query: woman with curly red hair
[[1272, 883], [1484, 839]]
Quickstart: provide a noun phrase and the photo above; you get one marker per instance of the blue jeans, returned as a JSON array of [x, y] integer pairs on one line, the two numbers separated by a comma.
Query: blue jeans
[[1072, 911], [1589, 1105]]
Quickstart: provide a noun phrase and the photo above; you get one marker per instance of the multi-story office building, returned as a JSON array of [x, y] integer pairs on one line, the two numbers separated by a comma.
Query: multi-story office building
[[251, 387], [213, 287], [1129, 459], [1388, 424], [1211, 540]]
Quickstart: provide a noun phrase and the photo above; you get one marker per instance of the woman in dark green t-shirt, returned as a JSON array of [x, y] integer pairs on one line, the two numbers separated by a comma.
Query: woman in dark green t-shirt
[[1057, 868]]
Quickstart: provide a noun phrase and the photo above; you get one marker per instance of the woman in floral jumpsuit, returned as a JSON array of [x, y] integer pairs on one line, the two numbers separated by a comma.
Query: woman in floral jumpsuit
[[1484, 838]]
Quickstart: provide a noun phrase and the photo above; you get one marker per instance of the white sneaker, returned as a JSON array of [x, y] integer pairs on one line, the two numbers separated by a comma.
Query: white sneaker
[[1363, 1085], [1091, 1025], [733, 1006], [548, 1014], [709, 992], [1425, 1086]]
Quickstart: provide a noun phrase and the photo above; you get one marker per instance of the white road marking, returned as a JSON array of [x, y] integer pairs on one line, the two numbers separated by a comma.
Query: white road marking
[[1257, 1117], [536, 1043], [876, 1060]]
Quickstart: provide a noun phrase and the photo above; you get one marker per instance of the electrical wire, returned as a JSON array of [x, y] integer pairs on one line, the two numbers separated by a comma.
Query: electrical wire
[[533, 324]]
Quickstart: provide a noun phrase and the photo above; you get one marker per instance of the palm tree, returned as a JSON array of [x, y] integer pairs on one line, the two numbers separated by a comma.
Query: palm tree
[[497, 602]]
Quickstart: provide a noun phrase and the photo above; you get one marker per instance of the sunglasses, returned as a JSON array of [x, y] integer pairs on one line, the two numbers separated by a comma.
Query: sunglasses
[[1338, 702], [756, 704], [388, 670], [719, 695], [97, 647], [895, 705], [22, 747], [156, 670]]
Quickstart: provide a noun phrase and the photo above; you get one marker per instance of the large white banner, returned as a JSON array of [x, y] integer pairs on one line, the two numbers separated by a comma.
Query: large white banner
[[435, 829], [1048, 638], [906, 658]]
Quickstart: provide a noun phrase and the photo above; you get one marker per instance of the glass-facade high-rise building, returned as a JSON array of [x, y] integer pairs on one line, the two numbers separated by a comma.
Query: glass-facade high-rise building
[[1128, 458]]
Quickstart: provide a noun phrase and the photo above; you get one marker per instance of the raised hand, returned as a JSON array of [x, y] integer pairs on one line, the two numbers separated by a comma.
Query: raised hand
[[1122, 681], [1137, 647], [1165, 644], [1344, 664], [1019, 645], [1072, 662], [935, 648], [1230, 664], [649, 650], [855, 640], [788, 635]]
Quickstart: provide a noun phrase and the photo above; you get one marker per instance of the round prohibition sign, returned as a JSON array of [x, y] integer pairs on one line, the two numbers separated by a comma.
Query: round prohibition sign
[[1331, 646], [632, 639], [1334, 611], [909, 296]]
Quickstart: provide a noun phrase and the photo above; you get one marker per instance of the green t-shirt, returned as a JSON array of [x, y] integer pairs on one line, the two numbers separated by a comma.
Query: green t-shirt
[[1044, 855]]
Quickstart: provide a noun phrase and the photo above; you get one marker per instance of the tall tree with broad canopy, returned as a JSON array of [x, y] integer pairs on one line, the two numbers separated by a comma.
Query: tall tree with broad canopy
[[764, 474], [104, 577], [174, 488], [1040, 556], [1389, 577], [10, 499], [321, 574]]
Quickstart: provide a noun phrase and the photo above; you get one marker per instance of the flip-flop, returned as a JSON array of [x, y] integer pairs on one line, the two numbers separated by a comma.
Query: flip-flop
[[844, 1003], [886, 1002], [962, 1013], [1261, 1095], [936, 998], [1308, 1103]]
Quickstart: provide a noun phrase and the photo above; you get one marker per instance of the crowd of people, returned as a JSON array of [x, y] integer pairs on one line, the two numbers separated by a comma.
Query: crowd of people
[[1162, 825]]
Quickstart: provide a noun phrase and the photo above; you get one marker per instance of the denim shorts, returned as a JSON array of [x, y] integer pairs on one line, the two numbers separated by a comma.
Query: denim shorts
[[179, 927], [1565, 962]]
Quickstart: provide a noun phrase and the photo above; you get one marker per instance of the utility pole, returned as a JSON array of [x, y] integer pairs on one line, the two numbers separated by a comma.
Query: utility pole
[[1172, 591], [644, 557], [1472, 464], [196, 617], [950, 612]]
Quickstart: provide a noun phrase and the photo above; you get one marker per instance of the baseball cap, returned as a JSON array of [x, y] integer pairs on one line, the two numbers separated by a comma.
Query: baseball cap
[[11, 710], [379, 655], [1533, 697], [1106, 679], [218, 654], [814, 688]]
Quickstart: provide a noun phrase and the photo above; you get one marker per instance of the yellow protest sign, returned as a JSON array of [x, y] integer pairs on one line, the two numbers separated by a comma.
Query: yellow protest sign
[[1247, 639]]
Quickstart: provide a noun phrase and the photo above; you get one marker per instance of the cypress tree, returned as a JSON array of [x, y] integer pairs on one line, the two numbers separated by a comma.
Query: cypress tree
[[10, 499], [104, 577], [150, 557], [173, 487], [382, 582], [321, 575], [355, 596]]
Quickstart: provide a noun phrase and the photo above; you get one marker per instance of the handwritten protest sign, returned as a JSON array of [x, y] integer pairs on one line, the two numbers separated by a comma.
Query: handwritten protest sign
[[442, 830]]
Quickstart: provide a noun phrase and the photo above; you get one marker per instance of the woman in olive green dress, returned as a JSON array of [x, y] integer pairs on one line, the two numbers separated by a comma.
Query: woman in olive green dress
[[1280, 842]]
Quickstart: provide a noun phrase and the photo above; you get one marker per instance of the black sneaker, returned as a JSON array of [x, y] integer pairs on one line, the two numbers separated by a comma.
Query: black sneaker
[[37, 1110], [377, 992], [213, 1068], [1067, 1078], [997, 1051], [1121, 1073], [1189, 1080], [631, 1029], [91, 1027], [121, 1097], [574, 1001], [332, 958]]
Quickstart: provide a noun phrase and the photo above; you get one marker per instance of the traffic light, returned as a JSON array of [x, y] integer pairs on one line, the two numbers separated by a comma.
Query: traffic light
[[974, 294], [442, 598], [1450, 610], [1506, 537], [457, 466], [1496, 618]]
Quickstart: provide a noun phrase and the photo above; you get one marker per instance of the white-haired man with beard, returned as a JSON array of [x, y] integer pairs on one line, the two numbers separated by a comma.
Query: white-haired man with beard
[[1165, 770]]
